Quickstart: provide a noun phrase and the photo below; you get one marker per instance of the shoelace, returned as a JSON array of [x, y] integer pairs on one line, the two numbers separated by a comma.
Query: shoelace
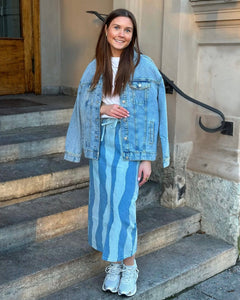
[[129, 274], [113, 270]]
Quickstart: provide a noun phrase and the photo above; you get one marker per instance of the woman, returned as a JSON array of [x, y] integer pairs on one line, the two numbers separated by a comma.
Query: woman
[[119, 112]]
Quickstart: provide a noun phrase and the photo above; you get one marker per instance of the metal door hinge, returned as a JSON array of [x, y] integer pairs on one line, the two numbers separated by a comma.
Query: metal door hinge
[[33, 65]]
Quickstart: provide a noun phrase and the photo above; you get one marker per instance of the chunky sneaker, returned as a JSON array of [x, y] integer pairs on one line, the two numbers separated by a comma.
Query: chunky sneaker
[[128, 282], [112, 279]]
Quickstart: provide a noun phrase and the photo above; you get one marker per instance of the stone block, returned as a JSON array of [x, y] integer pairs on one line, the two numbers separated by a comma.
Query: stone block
[[218, 200]]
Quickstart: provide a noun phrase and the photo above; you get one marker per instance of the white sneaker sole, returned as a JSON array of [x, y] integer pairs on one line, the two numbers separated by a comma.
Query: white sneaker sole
[[129, 294], [109, 289]]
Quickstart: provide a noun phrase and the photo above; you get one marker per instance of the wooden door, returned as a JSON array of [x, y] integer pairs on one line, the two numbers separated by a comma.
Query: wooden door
[[19, 47]]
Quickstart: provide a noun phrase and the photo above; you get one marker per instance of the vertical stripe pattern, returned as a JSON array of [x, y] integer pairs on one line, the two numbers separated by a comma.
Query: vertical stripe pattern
[[113, 192]]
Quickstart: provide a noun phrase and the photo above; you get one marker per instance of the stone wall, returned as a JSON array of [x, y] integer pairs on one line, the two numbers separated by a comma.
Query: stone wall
[[213, 169], [218, 201]]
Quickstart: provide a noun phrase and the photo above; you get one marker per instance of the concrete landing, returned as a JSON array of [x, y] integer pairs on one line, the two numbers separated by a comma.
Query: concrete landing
[[52, 111], [224, 286], [39, 103]]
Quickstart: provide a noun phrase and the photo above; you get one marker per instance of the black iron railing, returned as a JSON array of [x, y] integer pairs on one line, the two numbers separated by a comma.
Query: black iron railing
[[170, 86]]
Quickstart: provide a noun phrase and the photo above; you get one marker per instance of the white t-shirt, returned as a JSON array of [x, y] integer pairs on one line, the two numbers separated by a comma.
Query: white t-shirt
[[112, 99]]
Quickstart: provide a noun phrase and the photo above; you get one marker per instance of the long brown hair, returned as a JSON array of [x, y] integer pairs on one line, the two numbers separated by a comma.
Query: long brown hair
[[127, 62]]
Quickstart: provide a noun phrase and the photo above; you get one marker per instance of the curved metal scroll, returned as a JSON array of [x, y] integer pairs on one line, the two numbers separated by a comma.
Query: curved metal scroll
[[180, 92], [100, 16]]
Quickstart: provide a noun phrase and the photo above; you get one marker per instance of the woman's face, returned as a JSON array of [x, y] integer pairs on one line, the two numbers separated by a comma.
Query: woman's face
[[119, 34]]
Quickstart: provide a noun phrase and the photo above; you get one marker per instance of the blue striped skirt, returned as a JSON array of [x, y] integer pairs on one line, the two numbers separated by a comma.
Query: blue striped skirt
[[113, 192]]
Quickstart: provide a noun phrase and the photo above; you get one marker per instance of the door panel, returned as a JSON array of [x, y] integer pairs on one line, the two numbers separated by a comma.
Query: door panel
[[12, 70], [19, 46]]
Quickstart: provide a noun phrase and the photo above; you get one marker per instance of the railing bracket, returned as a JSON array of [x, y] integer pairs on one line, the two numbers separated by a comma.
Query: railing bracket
[[227, 128], [168, 87]]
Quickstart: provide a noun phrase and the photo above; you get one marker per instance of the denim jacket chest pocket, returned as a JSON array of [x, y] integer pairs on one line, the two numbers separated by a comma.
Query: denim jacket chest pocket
[[142, 125], [139, 91]]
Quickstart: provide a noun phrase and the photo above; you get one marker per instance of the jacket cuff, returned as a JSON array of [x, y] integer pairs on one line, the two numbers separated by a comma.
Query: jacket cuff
[[71, 157], [166, 162]]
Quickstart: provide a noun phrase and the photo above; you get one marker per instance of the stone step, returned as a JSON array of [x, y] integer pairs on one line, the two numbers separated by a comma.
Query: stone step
[[43, 218], [164, 272], [32, 142], [52, 110], [35, 118], [50, 216], [45, 267], [26, 179]]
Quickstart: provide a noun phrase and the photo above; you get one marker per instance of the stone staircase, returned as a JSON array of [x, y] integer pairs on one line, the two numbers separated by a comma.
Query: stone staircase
[[43, 220]]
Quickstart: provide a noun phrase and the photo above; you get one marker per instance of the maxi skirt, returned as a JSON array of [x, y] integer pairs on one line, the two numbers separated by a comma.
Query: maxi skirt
[[113, 192]]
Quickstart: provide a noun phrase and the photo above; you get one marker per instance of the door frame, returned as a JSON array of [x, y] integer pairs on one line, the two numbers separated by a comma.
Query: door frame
[[30, 20], [36, 46]]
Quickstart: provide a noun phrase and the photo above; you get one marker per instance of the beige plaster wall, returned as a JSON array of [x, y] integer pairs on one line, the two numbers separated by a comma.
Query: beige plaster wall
[[179, 64], [50, 45], [68, 40], [179, 56], [219, 77], [218, 73], [187, 79], [79, 33], [149, 16]]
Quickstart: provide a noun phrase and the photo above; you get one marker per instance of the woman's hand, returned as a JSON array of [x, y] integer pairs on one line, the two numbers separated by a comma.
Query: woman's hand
[[144, 172], [114, 110]]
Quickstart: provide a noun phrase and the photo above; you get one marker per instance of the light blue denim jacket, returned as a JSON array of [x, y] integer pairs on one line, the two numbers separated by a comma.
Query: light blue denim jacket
[[144, 97]]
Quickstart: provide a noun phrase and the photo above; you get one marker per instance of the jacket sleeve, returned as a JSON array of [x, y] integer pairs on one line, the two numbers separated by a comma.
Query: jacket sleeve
[[73, 144], [163, 124]]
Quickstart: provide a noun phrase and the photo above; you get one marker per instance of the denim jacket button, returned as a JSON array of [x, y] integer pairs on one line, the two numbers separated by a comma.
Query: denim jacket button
[[139, 85], [126, 157], [125, 138], [123, 101]]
